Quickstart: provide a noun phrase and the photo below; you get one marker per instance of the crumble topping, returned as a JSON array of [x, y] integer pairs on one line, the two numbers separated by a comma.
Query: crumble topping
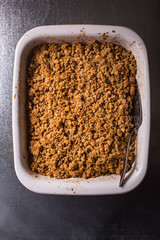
[[79, 102]]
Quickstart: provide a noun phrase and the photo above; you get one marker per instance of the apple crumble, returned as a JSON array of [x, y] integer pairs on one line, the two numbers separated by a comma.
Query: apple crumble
[[79, 102]]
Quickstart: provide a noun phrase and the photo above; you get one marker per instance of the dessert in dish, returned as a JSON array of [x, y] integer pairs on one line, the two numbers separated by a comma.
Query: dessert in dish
[[79, 102]]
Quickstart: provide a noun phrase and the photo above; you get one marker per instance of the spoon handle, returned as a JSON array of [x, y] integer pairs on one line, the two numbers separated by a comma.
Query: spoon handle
[[126, 159]]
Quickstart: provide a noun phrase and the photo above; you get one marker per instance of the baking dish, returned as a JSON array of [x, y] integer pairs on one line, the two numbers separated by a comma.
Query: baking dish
[[78, 33]]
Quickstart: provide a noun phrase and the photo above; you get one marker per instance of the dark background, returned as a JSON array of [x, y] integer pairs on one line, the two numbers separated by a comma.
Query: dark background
[[30, 216]]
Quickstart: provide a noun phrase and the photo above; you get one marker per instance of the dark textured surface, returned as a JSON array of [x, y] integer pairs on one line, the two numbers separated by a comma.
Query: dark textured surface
[[26, 215]]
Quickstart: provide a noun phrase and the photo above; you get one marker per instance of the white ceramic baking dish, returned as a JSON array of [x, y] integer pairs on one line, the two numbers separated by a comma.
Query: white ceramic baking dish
[[78, 33]]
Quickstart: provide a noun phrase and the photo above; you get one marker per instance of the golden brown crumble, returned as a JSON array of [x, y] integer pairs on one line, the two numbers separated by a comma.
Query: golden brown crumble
[[79, 101]]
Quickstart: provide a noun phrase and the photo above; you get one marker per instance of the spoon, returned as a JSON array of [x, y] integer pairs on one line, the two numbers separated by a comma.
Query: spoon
[[137, 120]]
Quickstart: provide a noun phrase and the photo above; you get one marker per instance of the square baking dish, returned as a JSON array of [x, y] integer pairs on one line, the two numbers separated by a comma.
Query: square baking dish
[[78, 33]]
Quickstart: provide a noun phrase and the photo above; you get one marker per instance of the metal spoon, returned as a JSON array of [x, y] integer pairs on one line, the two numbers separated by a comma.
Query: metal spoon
[[137, 120]]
